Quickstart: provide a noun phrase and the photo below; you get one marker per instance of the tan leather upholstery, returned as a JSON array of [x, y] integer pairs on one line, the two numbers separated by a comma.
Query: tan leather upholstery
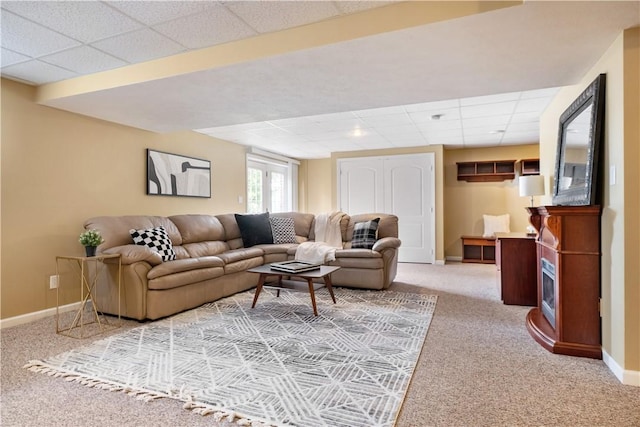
[[212, 262]]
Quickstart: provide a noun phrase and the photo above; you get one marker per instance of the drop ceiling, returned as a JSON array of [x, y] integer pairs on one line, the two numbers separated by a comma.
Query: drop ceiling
[[481, 79]]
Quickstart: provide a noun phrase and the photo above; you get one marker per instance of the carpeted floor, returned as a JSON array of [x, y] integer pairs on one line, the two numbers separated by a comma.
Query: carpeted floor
[[478, 367]]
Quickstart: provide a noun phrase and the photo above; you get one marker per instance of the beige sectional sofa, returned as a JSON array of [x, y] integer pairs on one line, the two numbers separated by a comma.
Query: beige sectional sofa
[[211, 261]]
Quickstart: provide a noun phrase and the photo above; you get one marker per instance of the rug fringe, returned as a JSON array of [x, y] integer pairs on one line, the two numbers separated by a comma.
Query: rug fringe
[[148, 396]]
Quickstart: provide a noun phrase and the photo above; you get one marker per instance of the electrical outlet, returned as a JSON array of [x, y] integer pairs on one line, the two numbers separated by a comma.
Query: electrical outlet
[[53, 281]]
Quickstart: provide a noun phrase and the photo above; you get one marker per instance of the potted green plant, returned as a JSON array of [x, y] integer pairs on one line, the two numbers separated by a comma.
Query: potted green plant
[[90, 239]]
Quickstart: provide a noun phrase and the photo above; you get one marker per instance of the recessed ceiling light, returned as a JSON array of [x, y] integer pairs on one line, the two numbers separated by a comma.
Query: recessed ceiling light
[[357, 132]]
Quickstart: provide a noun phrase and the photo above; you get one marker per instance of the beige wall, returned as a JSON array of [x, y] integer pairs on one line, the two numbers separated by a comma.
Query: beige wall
[[620, 235], [466, 202], [59, 169], [314, 184]]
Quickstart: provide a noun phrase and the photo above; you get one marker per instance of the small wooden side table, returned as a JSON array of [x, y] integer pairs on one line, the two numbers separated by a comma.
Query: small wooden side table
[[88, 270]]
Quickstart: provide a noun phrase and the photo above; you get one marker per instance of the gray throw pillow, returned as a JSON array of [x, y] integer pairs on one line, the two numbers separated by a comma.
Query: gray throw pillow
[[283, 229]]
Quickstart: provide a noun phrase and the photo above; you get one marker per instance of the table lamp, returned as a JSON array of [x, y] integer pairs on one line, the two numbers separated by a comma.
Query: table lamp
[[529, 186]]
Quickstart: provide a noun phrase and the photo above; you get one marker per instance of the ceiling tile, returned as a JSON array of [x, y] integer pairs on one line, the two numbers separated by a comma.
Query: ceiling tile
[[425, 116], [439, 125], [348, 115], [540, 93], [156, 12], [139, 46], [526, 117], [388, 120], [523, 127], [482, 140], [10, 57], [303, 128], [37, 72], [485, 110], [497, 122], [374, 112], [22, 36], [481, 130], [530, 137], [213, 26], [410, 131], [533, 104], [265, 16], [344, 126], [448, 134], [400, 141], [83, 60], [433, 107], [86, 21]]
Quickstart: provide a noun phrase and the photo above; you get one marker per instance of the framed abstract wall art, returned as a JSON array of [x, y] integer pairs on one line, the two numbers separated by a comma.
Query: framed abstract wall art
[[176, 175]]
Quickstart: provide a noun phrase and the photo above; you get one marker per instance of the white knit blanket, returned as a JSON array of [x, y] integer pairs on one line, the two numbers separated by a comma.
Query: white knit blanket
[[315, 252], [328, 239]]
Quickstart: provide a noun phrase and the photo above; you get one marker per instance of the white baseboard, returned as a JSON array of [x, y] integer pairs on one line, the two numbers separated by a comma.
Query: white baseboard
[[439, 262], [625, 376], [36, 315]]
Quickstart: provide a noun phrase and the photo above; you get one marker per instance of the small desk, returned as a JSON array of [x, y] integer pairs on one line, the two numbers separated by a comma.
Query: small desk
[[324, 273], [517, 268], [88, 270]]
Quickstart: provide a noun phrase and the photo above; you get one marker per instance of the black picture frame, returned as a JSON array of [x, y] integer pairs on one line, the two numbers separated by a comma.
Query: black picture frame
[[177, 175], [580, 141]]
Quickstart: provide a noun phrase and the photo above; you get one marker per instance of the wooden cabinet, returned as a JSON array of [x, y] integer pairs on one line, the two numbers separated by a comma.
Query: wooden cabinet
[[529, 167], [478, 249], [567, 317], [517, 272], [486, 171]]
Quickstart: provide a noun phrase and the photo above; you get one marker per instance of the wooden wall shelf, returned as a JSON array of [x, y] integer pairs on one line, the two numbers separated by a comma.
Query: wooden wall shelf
[[487, 171], [529, 167]]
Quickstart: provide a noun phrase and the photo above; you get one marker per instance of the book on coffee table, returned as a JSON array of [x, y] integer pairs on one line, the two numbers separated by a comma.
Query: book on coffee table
[[294, 266]]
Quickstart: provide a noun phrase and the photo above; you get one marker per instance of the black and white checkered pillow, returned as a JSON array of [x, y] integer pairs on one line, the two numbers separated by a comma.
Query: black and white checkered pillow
[[365, 234], [157, 239], [283, 229]]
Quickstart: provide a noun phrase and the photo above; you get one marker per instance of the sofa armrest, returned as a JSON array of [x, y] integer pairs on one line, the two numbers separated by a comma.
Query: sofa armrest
[[135, 253], [386, 243]]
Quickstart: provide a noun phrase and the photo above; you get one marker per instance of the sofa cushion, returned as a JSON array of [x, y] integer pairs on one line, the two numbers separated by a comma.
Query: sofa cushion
[[178, 266], [365, 234], [157, 239], [236, 255], [196, 228], [255, 229], [283, 230]]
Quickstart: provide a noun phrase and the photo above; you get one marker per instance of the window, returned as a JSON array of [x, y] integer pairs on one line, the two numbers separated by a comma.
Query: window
[[271, 184]]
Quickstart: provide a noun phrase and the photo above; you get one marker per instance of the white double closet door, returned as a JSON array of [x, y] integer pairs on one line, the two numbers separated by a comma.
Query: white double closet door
[[402, 185]]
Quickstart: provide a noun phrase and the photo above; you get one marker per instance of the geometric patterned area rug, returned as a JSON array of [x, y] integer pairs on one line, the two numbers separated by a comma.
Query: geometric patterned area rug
[[274, 365]]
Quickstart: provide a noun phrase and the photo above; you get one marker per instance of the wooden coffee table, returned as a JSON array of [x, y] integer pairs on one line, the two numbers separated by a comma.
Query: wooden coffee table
[[324, 273]]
